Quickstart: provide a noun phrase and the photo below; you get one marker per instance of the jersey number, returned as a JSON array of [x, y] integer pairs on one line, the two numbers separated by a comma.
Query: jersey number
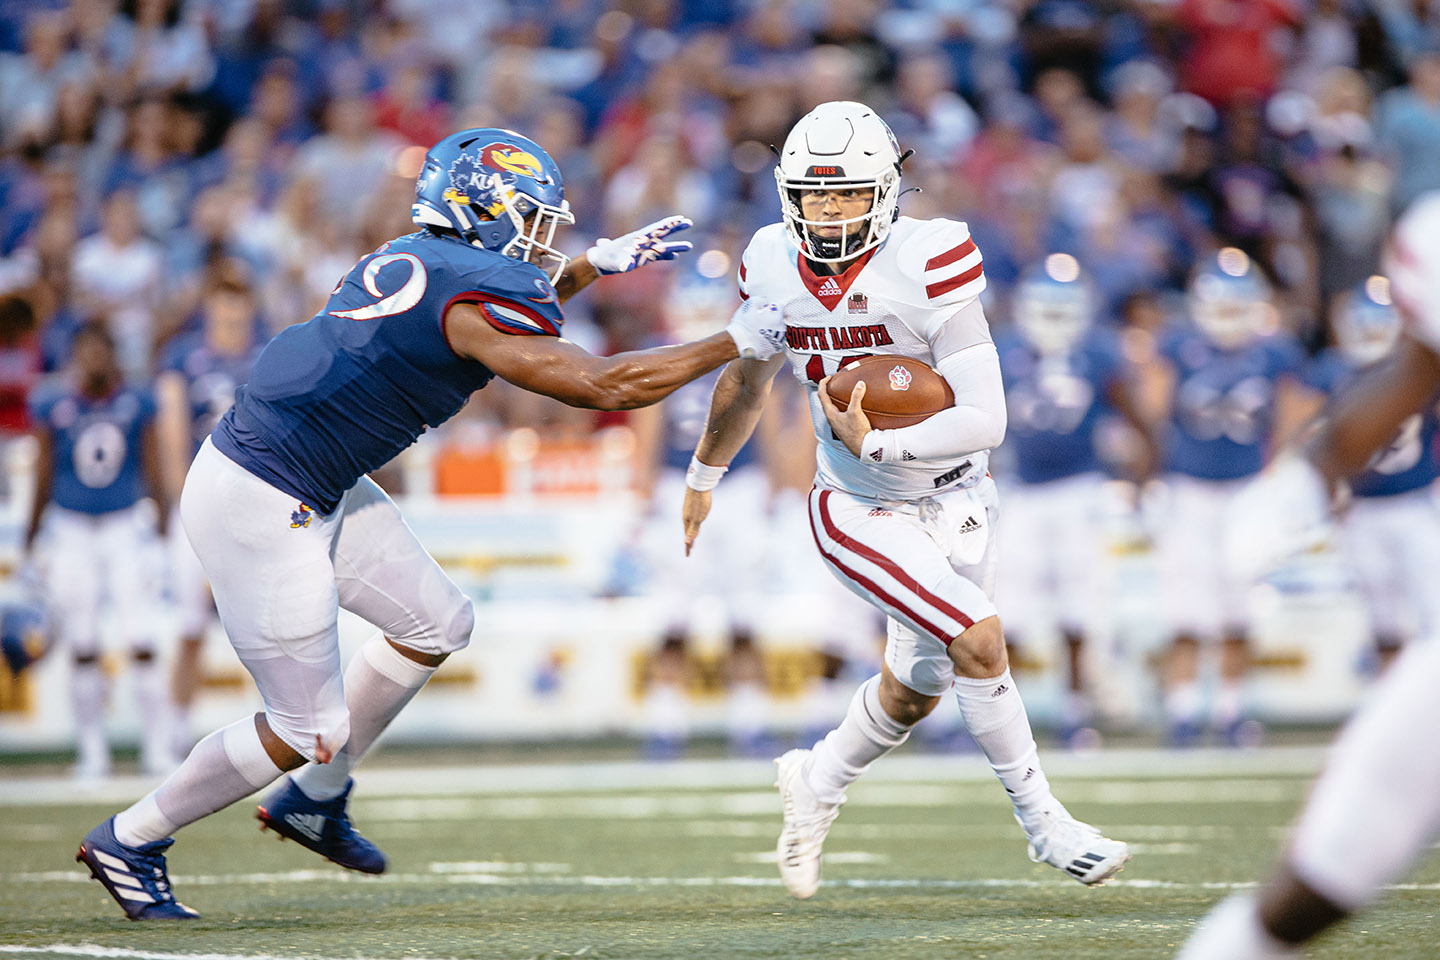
[[387, 305], [815, 366], [99, 454]]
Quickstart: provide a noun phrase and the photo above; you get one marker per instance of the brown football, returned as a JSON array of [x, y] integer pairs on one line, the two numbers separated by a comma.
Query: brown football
[[899, 391]]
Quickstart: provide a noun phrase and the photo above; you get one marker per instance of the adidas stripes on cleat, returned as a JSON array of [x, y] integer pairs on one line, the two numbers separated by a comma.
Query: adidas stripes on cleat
[[1077, 849], [320, 825], [134, 876]]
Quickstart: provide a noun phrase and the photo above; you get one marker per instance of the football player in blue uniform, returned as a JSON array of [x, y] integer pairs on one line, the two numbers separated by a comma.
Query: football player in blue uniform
[[289, 528], [1392, 527], [1230, 382], [730, 568], [97, 465], [1063, 376], [199, 373]]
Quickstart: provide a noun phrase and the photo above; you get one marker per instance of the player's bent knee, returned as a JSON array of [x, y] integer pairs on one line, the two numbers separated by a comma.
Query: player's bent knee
[[458, 626], [980, 651], [315, 739]]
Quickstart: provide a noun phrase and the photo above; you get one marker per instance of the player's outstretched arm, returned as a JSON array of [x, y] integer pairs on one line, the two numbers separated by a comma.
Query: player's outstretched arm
[[557, 368], [1365, 417]]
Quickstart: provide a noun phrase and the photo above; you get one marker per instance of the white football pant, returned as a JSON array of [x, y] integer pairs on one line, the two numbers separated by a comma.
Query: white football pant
[[91, 559], [1376, 807], [1203, 597], [280, 574], [1394, 546], [1053, 549], [928, 564], [728, 559]]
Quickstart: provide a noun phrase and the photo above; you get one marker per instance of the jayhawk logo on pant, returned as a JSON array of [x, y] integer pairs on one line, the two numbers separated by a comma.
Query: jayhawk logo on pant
[[300, 518]]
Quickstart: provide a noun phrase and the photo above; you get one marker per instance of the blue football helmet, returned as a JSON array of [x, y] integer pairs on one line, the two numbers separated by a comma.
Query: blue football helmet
[[1365, 322], [1054, 304], [24, 634], [1229, 299], [483, 184]]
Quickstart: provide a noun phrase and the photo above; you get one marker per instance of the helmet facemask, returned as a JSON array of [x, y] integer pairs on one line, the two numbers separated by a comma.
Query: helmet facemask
[[858, 234]]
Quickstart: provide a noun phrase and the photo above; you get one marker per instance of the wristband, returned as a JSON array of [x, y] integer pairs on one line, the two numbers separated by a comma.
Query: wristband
[[701, 477]]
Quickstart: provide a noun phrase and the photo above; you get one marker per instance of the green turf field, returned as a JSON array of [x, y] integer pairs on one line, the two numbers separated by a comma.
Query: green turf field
[[624, 861]]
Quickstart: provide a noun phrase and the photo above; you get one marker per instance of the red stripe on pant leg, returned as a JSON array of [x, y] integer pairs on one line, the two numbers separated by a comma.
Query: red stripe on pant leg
[[942, 635], [886, 564]]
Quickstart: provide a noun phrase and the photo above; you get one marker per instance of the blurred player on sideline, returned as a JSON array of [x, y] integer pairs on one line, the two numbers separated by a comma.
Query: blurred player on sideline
[[905, 518], [730, 567], [289, 529], [1231, 381], [1391, 527], [1376, 807], [1063, 376], [97, 464], [199, 374]]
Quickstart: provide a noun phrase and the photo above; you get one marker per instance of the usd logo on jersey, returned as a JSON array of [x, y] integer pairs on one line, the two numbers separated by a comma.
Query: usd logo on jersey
[[900, 378], [299, 519]]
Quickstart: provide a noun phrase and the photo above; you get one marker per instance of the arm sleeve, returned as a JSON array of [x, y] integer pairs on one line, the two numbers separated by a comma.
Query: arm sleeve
[[976, 422]]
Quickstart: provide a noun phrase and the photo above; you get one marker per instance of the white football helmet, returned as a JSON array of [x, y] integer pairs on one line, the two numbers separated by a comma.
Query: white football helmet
[[1054, 304], [1365, 322], [840, 145], [1229, 299]]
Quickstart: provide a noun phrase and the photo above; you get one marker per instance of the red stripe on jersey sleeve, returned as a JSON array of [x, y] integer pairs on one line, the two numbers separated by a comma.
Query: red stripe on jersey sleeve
[[934, 290], [743, 294], [547, 327], [951, 255]]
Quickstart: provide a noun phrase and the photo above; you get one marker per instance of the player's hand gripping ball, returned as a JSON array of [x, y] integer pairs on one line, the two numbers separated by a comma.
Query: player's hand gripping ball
[[899, 391]]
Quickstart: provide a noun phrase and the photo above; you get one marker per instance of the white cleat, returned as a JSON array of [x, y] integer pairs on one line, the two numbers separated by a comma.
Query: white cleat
[[1077, 849], [807, 821]]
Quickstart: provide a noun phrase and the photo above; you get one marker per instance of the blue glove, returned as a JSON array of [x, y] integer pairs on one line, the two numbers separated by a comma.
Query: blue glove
[[636, 249]]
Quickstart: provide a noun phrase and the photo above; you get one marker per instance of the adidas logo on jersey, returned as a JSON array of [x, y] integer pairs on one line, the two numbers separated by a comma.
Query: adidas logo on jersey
[[830, 288], [969, 526], [310, 824], [907, 455]]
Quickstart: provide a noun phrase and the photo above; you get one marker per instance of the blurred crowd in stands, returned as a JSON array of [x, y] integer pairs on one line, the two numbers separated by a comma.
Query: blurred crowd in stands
[[151, 150]]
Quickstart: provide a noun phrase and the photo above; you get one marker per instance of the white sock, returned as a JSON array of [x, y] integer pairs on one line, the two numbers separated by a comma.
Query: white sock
[[226, 766], [995, 716], [1233, 931], [865, 735], [378, 683], [89, 688], [1229, 704], [153, 706]]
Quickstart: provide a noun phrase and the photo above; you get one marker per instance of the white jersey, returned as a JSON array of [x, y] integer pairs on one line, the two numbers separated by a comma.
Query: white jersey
[[1412, 261], [901, 298]]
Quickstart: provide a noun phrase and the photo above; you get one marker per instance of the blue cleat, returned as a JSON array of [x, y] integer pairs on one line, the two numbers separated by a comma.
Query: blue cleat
[[320, 825], [134, 876]]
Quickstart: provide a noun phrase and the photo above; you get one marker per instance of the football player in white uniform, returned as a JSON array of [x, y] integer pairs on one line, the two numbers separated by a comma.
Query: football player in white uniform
[[1376, 806], [904, 518]]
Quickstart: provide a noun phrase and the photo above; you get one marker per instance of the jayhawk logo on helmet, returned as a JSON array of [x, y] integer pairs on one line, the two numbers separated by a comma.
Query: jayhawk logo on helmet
[[507, 157]]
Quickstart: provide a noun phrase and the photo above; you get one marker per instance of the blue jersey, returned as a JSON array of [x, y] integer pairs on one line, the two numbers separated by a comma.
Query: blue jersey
[[335, 397], [1409, 462], [95, 445], [1055, 402], [211, 379], [1222, 411]]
